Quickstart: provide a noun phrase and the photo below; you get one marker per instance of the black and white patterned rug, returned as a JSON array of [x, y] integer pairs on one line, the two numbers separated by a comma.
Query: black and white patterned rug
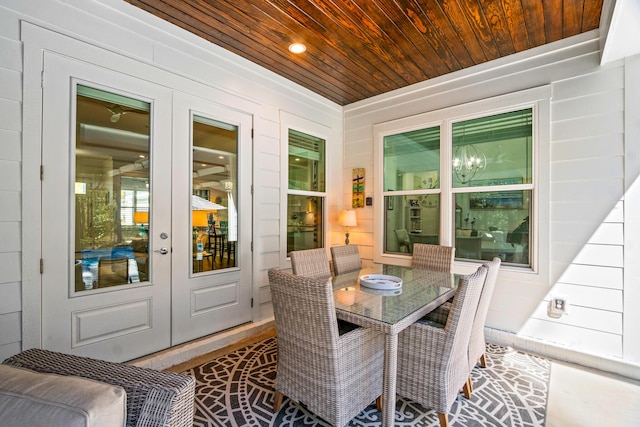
[[237, 390]]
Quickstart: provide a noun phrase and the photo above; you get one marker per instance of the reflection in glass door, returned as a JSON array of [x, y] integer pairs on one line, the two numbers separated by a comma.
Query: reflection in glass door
[[111, 189], [214, 215]]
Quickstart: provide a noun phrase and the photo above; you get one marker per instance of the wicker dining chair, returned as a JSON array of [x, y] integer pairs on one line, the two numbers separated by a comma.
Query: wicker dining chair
[[433, 257], [336, 376], [477, 344], [311, 263], [345, 259], [433, 361]]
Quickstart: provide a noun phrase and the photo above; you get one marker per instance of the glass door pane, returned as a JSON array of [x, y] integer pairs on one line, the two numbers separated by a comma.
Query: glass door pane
[[214, 210], [412, 167], [111, 189]]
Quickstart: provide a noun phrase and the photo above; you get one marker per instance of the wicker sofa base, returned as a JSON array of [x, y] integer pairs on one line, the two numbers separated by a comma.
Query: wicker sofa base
[[154, 398]]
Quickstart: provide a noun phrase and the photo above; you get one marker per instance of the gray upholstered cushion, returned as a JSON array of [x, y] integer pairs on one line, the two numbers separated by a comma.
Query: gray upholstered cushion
[[34, 399]]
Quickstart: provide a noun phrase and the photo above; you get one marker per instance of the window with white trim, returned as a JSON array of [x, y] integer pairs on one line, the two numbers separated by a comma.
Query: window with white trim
[[306, 191], [465, 176]]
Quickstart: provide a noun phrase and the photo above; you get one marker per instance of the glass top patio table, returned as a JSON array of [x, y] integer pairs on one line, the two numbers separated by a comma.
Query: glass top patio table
[[390, 312], [420, 288]]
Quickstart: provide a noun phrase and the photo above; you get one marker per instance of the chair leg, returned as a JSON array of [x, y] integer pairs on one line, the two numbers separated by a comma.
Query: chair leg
[[379, 403], [444, 419], [483, 360], [467, 388], [277, 401]]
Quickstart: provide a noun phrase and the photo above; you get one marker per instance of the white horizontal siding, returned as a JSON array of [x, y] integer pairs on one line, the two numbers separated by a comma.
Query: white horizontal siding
[[587, 232], [9, 328], [9, 237], [10, 149], [585, 169], [574, 337], [608, 234], [10, 55], [592, 104], [10, 114], [12, 84], [592, 275], [9, 175], [606, 190], [11, 298], [603, 255], [588, 147], [10, 185], [10, 349], [583, 317], [590, 297]]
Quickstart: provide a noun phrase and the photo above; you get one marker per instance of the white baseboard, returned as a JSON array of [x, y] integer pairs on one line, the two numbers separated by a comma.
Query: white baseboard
[[566, 354], [192, 349]]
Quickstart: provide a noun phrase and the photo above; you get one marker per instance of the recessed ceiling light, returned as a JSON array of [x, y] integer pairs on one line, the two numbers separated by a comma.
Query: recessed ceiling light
[[297, 48], [221, 157]]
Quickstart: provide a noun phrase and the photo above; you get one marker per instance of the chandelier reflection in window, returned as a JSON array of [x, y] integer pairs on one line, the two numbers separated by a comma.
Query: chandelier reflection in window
[[468, 163]]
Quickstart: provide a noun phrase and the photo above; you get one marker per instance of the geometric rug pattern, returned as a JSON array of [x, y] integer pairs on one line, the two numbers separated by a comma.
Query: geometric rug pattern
[[237, 390]]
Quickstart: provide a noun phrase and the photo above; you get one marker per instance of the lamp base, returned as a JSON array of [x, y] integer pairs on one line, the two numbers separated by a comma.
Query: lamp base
[[346, 240]]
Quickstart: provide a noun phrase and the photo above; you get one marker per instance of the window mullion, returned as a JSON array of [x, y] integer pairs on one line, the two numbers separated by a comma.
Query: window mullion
[[446, 198]]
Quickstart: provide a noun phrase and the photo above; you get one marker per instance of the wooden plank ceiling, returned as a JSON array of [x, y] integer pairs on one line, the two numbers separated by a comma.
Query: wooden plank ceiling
[[357, 49]]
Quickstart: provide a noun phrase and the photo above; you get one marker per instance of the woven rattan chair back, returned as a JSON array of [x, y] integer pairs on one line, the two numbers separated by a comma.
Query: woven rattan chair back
[[154, 398], [345, 259], [433, 362], [433, 257], [477, 344], [311, 263], [335, 376]]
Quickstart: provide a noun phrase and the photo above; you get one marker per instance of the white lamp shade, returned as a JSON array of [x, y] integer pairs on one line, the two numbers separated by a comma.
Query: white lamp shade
[[347, 218]]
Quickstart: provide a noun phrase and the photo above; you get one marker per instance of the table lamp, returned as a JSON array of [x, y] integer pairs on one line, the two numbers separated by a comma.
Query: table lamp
[[347, 219]]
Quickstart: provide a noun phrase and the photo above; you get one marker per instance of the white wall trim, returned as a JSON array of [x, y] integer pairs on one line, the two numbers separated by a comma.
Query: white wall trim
[[563, 353], [631, 274]]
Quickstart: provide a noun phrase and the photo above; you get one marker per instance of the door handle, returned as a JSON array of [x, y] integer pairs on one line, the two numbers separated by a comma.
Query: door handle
[[163, 251]]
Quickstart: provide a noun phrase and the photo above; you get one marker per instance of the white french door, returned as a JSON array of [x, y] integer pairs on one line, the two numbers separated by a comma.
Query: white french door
[[106, 148], [211, 272], [146, 213]]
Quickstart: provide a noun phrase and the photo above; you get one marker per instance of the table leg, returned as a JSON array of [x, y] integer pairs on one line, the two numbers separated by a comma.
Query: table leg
[[389, 389]]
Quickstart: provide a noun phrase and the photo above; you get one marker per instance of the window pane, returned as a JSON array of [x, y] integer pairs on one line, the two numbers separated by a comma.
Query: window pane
[[493, 148], [214, 210], [304, 222], [412, 160], [411, 219], [490, 224], [111, 164], [306, 162]]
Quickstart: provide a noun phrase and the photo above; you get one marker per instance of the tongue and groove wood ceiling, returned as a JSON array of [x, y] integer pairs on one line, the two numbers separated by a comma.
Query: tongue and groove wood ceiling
[[357, 49]]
